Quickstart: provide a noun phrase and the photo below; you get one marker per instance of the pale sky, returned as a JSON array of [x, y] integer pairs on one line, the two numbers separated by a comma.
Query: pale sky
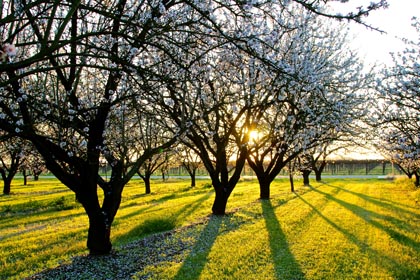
[[395, 20], [375, 47]]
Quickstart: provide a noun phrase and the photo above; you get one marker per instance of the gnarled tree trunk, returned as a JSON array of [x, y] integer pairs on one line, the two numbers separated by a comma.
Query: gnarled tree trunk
[[6, 186], [192, 175], [318, 175], [101, 218], [146, 180], [264, 186], [220, 201], [305, 175], [7, 180], [99, 234]]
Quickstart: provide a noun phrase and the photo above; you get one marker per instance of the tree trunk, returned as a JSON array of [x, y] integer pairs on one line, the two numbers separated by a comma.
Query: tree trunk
[[220, 201], [264, 187], [7, 181], [417, 182], [318, 175], [318, 171], [100, 224], [146, 180], [192, 175], [99, 241], [6, 186], [305, 175], [292, 186], [25, 177]]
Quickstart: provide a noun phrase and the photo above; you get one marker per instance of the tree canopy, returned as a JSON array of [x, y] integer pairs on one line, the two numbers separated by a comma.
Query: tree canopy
[[398, 113], [74, 76]]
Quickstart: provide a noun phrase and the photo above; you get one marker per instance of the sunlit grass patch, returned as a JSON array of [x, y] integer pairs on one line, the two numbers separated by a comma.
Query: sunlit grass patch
[[352, 234], [343, 229], [42, 225], [52, 204], [416, 197], [408, 184], [338, 229]]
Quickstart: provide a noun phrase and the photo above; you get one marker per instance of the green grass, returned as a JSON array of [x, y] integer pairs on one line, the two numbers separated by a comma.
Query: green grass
[[338, 229]]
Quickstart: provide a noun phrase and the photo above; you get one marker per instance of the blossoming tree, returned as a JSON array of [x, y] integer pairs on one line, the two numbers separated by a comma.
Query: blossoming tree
[[13, 154], [295, 91], [65, 88], [315, 102], [397, 120], [77, 64]]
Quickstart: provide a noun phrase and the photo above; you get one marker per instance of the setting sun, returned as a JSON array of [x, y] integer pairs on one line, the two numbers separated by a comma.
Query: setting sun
[[254, 135]]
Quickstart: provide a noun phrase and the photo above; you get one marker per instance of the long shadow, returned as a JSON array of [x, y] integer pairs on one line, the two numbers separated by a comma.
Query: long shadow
[[167, 222], [185, 211], [370, 216], [380, 202], [136, 212], [359, 210], [36, 220], [40, 225], [363, 246], [40, 254], [190, 208], [285, 264], [194, 264]]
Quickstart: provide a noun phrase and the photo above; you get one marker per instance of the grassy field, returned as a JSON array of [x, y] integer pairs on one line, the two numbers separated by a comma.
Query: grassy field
[[338, 229]]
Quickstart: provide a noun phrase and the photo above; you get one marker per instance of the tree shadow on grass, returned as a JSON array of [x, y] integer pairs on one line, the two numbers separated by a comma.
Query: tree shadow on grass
[[147, 206], [194, 264], [373, 218], [285, 264], [386, 203], [190, 208], [157, 224], [363, 246]]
